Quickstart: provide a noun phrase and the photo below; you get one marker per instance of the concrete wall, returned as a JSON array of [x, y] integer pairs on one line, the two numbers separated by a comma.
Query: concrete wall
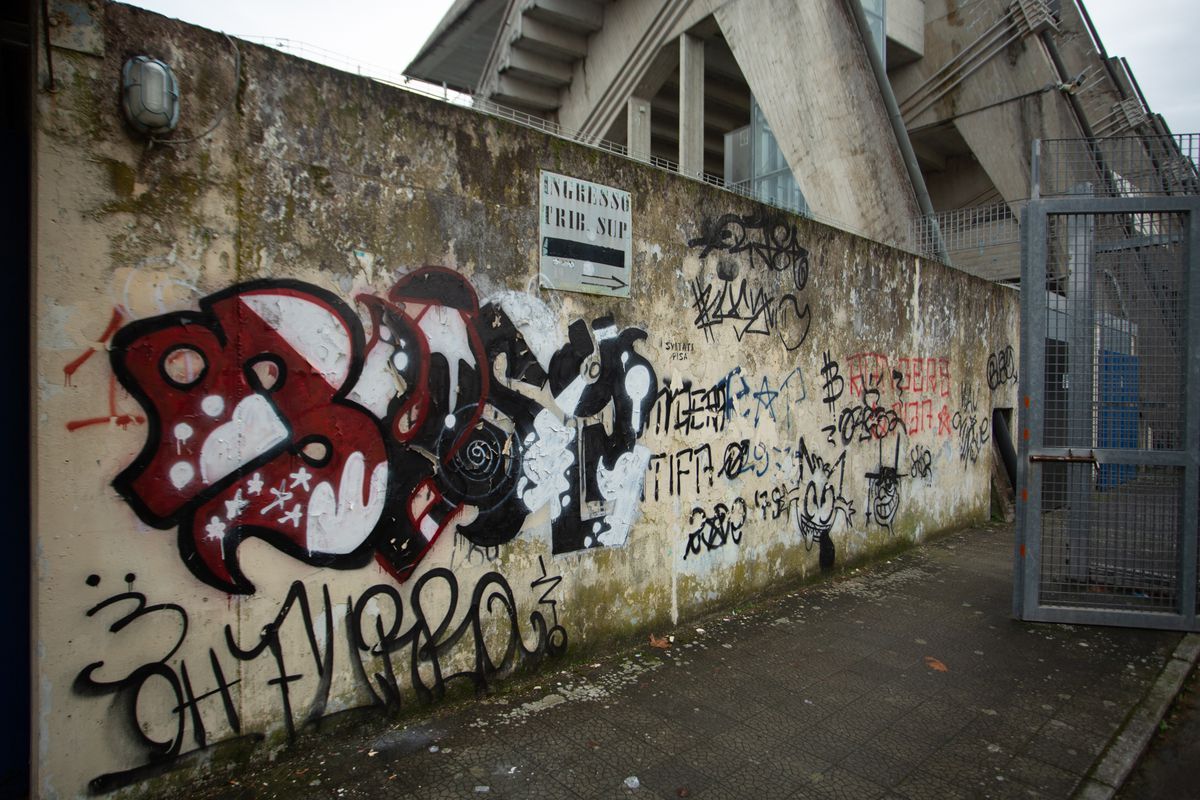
[[311, 441]]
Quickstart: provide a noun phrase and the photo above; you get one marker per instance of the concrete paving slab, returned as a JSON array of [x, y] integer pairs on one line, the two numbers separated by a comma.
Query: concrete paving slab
[[907, 679]]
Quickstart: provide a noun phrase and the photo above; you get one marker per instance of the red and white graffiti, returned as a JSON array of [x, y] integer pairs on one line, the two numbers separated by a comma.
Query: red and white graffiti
[[273, 414]]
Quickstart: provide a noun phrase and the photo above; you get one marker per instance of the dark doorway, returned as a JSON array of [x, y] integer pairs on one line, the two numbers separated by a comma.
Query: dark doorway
[[15, 208]]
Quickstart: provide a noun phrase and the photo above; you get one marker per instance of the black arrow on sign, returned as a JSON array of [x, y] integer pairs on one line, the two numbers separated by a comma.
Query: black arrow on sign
[[611, 281]]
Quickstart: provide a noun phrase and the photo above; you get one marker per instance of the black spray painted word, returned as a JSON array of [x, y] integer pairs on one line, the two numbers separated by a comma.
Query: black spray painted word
[[414, 643], [921, 462], [689, 468], [691, 409], [735, 396], [973, 434], [750, 310], [771, 243], [778, 502], [1001, 368], [864, 422], [757, 458], [715, 530]]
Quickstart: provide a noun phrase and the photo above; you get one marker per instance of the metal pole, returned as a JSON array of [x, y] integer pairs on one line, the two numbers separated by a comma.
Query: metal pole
[[1081, 232], [1035, 170]]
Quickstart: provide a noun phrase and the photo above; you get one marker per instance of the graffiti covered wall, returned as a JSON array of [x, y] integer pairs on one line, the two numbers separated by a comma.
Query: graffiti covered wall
[[311, 440]]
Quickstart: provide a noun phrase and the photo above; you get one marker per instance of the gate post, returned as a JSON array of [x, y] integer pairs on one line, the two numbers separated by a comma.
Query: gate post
[[1081, 245]]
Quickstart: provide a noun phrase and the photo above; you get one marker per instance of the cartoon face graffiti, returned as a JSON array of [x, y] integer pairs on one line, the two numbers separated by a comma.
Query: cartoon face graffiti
[[883, 490], [885, 500], [820, 507], [823, 501], [273, 415]]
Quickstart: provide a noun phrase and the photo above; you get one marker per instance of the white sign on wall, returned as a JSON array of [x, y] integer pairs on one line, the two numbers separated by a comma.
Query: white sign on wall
[[585, 232]]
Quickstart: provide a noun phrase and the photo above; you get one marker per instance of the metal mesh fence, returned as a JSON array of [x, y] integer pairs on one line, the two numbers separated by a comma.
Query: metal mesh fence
[[982, 240], [1115, 295], [1115, 387], [1111, 547], [1119, 166]]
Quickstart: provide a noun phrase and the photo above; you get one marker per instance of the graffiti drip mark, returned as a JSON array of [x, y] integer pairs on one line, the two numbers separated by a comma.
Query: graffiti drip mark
[[275, 415], [477, 554], [551, 583]]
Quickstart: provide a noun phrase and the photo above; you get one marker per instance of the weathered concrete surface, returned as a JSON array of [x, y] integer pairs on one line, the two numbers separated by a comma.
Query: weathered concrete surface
[[807, 65], [221, 334], [994, 84], [906, 680]]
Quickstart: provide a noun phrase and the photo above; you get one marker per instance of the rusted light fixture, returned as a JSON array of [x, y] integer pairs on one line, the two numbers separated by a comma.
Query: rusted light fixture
[[149, 95]]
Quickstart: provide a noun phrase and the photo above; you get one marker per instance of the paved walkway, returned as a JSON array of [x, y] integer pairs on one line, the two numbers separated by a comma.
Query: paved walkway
[[906, 680]]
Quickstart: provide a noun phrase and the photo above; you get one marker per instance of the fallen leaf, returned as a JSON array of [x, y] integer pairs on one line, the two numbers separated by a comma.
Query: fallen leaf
[[934, 664], [661, 642]]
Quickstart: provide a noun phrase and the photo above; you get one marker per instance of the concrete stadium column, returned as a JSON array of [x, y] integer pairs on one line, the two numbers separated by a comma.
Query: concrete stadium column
[[691, 104], [637, 131]]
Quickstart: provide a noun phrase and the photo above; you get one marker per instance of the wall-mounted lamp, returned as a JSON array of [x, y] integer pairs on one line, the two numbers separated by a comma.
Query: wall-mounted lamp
[[149, 95]]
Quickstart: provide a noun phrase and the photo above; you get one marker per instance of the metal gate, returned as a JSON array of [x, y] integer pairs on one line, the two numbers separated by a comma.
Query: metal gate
[[1108, 463]]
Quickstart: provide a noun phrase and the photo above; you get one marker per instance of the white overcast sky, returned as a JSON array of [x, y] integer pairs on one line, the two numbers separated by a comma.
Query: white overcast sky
[[1157, 37]]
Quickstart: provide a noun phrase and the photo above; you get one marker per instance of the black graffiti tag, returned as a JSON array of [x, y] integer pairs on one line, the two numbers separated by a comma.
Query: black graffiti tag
[[396, 648], [715, 530], [771, 243], [1001, 368], [833, 384]]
